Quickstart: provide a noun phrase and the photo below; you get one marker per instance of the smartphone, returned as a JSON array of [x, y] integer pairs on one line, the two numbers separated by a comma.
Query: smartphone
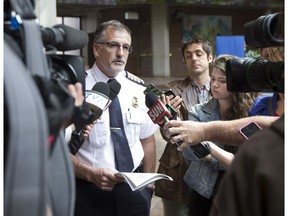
[[169, 92], [152, 88], [248, 130]]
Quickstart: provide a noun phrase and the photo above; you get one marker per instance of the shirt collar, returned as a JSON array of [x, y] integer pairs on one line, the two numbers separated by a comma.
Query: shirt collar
[[99, 76], [206, 85]]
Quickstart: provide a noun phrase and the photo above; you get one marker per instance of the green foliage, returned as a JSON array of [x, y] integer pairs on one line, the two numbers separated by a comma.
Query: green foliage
[[253, 53]]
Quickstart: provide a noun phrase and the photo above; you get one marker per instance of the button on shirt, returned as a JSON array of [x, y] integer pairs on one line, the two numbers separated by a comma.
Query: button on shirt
[[98, 148]]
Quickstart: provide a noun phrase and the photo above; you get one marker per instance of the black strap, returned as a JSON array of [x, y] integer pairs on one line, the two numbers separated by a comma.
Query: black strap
[[36, 59], [270, 107], [26, 144], [24, 8]]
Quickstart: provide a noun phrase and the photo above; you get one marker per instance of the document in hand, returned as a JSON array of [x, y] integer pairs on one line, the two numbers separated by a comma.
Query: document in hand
[[137, 181]]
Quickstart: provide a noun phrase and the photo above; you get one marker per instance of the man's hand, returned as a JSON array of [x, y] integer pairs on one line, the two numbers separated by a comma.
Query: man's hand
[[174, 102], [77, 93], [105, 178], [85, 132], [184, 133]]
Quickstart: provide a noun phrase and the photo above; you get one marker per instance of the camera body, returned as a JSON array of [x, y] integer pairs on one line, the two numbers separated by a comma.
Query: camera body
[[54, 72], [37, 107], [258, 75]]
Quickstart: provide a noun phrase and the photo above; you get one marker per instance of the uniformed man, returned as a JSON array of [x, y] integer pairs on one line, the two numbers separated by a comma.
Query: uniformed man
[[98, 190]]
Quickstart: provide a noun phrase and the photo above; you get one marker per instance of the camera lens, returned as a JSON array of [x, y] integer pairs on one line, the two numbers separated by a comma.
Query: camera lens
[[266, 31], [254, 75]]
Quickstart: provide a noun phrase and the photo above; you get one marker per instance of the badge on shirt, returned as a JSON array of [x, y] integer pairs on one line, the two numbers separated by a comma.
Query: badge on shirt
[[135, 102]]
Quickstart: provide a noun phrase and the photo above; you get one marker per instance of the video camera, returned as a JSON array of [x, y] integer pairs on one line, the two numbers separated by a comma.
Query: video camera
[[53, 72], [37, 106], [258, 75]]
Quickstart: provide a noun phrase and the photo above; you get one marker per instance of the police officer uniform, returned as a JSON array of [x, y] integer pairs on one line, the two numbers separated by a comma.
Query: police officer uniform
[[98, 149]]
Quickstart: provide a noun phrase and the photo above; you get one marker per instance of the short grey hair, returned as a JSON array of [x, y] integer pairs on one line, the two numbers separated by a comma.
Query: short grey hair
[[113, 24]]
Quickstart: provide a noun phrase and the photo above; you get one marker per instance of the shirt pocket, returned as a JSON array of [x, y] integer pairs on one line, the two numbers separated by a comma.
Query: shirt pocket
[[134, 118], [100, 132]]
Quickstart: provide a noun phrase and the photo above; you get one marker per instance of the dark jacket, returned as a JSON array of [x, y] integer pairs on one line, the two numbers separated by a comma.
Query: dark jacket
[[172, 162], [254, 184]]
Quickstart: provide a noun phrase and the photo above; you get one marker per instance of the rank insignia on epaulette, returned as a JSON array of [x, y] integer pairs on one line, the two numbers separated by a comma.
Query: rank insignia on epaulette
[[134, 78], [135, 102]]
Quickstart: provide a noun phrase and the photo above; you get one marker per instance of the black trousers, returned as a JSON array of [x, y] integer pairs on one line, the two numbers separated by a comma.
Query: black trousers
[[198, 205], [122, 201]]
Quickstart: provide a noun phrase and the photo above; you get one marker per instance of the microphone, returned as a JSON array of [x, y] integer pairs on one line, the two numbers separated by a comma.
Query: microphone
[[64, 38], [160, 115], [115, 87], [158, 112], [96, 100]]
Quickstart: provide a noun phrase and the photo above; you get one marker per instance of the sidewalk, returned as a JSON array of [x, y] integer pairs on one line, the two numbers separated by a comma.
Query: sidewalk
[[156, 204]]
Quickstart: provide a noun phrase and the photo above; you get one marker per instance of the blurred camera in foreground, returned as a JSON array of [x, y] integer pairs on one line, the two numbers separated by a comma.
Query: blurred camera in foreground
[[254, 75], [259, 75], [266, 31]]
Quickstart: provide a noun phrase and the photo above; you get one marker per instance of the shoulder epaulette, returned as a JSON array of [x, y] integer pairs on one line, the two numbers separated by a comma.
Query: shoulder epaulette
[[135, 79]]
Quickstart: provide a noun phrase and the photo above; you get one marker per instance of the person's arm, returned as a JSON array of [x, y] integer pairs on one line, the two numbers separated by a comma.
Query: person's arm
[[225, 132], [223, 157], [149, 160], [103, 178]]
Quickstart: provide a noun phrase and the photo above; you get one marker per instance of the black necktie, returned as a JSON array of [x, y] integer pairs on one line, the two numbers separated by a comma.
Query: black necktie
[[123, 157]]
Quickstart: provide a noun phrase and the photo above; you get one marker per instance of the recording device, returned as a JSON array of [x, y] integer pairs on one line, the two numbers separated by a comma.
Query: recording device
[[33, 67], [115, 87], [248, 130], [258, 75], [158, 112], [152, 88], [266, 31], [58, 71], [160, 115], [254, 75], [96, 99], [64, 38], [201, 150]]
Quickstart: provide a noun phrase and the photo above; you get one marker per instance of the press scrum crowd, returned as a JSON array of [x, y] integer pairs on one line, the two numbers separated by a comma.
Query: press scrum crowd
[[216, 166], [216, 170]]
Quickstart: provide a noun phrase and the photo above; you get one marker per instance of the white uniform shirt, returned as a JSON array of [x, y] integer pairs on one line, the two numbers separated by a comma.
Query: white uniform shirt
[[98, 149]]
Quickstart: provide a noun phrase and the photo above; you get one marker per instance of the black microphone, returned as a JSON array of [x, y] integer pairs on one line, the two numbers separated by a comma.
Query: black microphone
[[96, 101], [115, 87], [64, 38]]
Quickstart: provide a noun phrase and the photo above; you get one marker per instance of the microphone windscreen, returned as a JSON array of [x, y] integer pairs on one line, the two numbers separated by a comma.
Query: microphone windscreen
[[73, 38], [97, 98], [115, 87], [151, 99], [102, 87]]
